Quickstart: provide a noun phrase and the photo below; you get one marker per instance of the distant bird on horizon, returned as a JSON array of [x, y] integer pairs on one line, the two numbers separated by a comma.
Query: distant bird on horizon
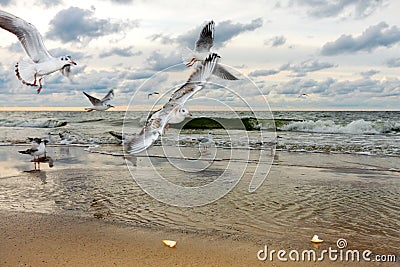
[[36, 151], [43, 63], [100, 105], [201, 50], [303, 95], [150, 94]]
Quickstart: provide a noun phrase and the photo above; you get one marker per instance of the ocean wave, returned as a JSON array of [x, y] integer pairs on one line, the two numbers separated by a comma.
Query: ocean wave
[[49, 123], [202, 123], [354, 127]]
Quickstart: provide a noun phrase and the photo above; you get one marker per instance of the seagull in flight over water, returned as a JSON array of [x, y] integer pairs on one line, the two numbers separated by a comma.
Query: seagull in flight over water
[[42, 62], [159, 120], [202, 49], [102, 104]]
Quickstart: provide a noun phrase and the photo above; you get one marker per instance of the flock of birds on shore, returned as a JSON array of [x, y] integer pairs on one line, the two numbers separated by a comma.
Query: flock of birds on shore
[[42, 63]]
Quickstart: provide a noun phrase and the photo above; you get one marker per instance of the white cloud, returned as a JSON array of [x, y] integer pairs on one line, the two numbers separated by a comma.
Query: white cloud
[[380, 35]]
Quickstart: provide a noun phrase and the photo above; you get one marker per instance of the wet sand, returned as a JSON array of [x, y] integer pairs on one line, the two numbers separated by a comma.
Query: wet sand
[[87, 210], [32, 239]]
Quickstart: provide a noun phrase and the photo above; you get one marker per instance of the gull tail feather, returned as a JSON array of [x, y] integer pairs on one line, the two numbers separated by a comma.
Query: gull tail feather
[[25, 72]]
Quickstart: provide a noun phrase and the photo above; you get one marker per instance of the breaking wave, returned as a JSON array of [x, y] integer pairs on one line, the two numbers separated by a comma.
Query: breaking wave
[[49, 123], [354, 127]]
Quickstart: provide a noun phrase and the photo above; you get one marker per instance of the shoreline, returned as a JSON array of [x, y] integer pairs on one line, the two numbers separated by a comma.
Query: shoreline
[[87, 210]]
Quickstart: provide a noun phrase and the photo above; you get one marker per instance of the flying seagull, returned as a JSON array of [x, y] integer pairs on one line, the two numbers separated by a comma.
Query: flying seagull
[[102, 104], [303, 95], [150, 94], [43, 63], [158, 121], [202, 49], [36, 151]]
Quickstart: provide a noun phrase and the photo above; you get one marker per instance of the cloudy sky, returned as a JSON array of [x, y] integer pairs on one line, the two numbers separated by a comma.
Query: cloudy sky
[[343, 54]]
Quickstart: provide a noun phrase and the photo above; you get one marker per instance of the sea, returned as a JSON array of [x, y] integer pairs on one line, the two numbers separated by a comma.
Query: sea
[[374, 133]]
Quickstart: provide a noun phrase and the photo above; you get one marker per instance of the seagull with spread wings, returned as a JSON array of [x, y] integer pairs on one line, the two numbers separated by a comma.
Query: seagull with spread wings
[[202, 48], [159, 120], [42, 62], [102, 104]]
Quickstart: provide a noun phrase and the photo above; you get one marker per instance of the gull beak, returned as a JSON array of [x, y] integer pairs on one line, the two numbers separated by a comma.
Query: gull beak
[[72, 62], [113, 106], [189, 114]]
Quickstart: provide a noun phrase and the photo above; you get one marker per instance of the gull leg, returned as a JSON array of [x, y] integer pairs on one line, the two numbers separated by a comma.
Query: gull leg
[[34, 161], [166, 127], [40, 85], [34, 79]]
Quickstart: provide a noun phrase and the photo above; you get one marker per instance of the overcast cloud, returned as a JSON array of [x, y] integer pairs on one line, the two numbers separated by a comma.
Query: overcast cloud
[[344, 54], [342, 8], [80, 25], [373, 37]]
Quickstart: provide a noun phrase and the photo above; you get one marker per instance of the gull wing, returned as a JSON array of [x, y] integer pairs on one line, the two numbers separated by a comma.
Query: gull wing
[[156, 123], [150, 133], [223, 73], [93, 100], [196, 81], [29, 150], [109, 96], [206, 38], [27, 34]]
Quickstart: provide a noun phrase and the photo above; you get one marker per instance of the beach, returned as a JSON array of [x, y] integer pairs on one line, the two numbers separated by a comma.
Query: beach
[[88, 210]]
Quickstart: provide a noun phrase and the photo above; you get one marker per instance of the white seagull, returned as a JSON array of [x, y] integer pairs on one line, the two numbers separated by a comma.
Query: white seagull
[[102, 104], [202, 49], [158, 121], [205, 142], [36, 151], [43, 63], [179, 116]]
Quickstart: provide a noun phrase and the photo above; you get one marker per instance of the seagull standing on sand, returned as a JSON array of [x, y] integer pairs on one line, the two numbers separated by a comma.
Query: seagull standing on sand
[[43, 63], [36, 151], [158, 121], [202, 48], [102, 104]]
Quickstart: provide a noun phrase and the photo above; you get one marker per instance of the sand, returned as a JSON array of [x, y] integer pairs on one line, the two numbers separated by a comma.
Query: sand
[[30, 239], [87, 211]]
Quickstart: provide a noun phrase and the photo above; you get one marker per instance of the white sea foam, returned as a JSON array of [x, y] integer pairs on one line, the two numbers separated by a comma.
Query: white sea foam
[[38, 123], [328, 126]]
